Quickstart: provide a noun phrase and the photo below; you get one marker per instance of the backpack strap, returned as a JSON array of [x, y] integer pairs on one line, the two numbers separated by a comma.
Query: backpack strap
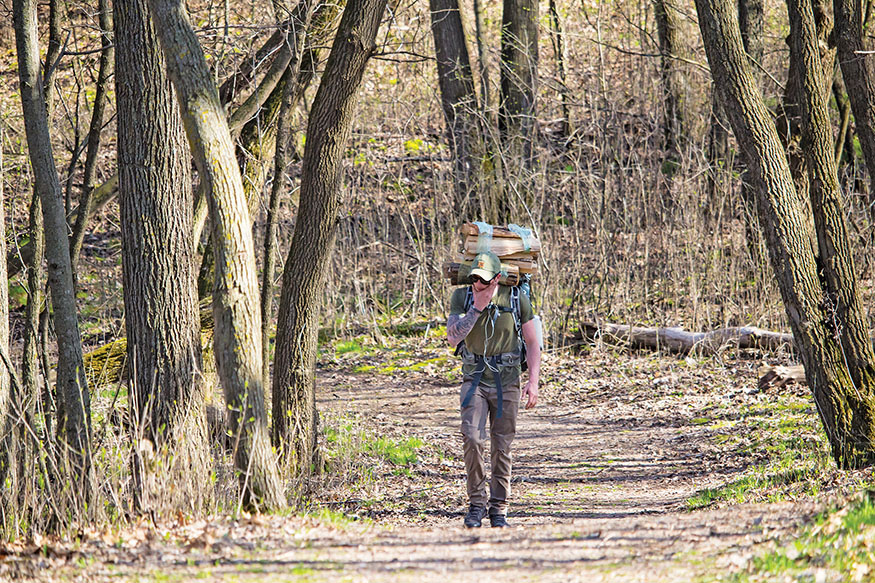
[[469, 301], [480, 367]]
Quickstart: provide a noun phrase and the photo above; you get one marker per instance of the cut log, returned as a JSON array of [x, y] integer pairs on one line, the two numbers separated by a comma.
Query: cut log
[[678, 340], [498, 232], [458, 272], [503, 246]]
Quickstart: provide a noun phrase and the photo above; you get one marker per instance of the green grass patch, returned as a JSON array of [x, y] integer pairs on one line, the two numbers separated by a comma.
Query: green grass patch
[[400, 453], [840, 543]]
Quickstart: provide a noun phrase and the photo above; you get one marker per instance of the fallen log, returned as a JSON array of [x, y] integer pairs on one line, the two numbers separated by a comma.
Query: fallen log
[[781, 376], [678, 340]]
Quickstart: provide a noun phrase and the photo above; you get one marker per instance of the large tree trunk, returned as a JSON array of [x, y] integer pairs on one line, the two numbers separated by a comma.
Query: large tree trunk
[[237, 340], [161, 315], [519, 66], [328, 129], [458, 97], [835, 259], [845, 407], [73, 399], [858, 70]]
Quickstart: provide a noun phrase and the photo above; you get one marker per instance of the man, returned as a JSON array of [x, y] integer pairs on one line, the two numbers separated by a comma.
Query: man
[[490, 352]]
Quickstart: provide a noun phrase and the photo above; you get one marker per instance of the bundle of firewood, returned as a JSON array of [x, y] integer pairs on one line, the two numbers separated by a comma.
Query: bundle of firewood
[[519, 257]]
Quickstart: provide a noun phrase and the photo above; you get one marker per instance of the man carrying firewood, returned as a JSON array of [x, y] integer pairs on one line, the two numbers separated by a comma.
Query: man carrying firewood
[[488, 324]]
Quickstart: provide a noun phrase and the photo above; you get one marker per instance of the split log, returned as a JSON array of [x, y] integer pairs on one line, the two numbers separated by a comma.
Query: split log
[[504, 246], [500, 232], [678, 340], [458, 273]]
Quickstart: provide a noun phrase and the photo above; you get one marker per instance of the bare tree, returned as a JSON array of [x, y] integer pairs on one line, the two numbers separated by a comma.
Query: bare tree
[[236, 314], [519, 66], [458, 97], [328, 129], [839, 369], [858, 71], [302, 15], [73, 399], [673, 91], [104, 72]]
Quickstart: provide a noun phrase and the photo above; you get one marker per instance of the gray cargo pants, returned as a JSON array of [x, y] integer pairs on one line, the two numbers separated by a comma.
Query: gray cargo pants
[[501, 430]]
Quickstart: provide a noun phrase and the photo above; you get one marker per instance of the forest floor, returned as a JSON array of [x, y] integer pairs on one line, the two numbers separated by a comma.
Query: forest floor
[[632, 467]]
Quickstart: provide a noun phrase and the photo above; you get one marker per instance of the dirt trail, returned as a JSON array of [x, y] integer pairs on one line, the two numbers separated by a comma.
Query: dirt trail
[[603, 467], [599, 491]]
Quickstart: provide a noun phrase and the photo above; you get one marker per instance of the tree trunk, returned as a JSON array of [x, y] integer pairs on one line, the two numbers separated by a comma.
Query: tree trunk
[[486, 110], [161, 314], [237, 340], [670, 47], [835, 261], [458, 97], [6, 451], [73, 399], [559, 50], [858, 71], [328, 129], [53, 52], [845, 409], [300, 23], [519, 66], [104, 72]]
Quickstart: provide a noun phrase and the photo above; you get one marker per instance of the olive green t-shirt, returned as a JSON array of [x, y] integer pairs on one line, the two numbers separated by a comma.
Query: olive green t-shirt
[[494, 333]]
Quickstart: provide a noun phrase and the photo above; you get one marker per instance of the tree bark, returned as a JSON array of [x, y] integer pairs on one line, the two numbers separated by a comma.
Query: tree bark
[[845, 407], [458, 97], [483, 65], [73, 399], [559, 51], [328, 129], [237, 340], [161, 313], [670, 47], [519, 66], [858, 71], [300, 23], [53, 52], [6, 450]]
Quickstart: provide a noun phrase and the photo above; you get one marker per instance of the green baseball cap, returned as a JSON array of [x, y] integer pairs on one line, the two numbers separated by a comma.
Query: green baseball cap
[[486, 265]]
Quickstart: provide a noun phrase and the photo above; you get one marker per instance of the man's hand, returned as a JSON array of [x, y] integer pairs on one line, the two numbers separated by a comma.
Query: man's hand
[[483, 295], [531, 391]]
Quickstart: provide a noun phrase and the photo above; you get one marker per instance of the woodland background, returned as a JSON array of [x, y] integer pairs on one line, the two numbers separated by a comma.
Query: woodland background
[[627, 173]]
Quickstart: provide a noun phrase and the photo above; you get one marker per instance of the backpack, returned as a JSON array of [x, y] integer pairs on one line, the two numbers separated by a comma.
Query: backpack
[[523, 287]]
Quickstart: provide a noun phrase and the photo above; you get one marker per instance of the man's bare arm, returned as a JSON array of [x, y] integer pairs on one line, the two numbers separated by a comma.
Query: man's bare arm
[[459, 326]]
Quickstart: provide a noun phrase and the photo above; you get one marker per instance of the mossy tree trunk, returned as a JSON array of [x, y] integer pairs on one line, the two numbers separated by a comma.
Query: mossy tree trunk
[[328, 129], [237, 318], [838, 370]]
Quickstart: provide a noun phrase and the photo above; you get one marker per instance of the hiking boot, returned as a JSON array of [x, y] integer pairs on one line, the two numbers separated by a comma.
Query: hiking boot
[[475, 515], [498, 521]]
